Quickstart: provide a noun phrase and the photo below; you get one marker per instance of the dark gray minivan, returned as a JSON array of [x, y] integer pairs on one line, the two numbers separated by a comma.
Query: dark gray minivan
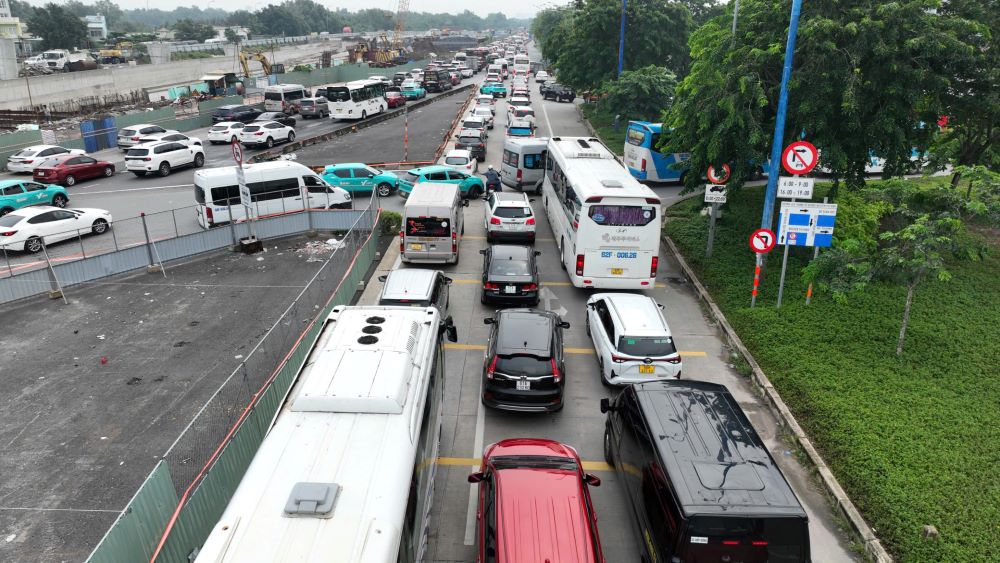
[[700, 483]]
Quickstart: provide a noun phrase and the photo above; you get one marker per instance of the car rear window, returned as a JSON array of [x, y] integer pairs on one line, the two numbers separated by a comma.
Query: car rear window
[[406, 302], [217, 128], [137, 152], [472, 124], [469, 140], [224, 111], [428, 227], [10, 220], [646, 346], [27, 152], [512, 212], [411, 177], [509, 268], [251, 128], [456, 160], [776, 540], [524, 365], [127, 132]]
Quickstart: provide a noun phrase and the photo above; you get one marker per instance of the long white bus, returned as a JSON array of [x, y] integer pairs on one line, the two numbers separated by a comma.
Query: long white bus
[[522, 65], [357, 100], [606, 224], [346, 471]]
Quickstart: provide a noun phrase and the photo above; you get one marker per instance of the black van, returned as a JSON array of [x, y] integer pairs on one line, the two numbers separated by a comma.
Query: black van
[[437, 80], [700, 483]]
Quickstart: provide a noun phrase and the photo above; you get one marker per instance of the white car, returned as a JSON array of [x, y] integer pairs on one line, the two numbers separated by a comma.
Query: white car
[[476, 122], [522, 113], [225, 132], [27, 228], [487, 100], [266, 133], [517, 101], [461, 159], [485, 113], [541, 76], [493, 77], [383, 79], [131, 134], [171, 136], [162, 157], [26, 160], [632, 339], [466, 72], [509, 217]]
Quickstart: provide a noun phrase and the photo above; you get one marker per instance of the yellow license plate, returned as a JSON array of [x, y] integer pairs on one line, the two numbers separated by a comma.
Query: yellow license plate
[[646, 369], [617, 271], [416, 247]]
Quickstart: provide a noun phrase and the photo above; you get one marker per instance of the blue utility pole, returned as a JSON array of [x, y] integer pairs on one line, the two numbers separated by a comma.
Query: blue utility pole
[[621, 39], [779, 122]]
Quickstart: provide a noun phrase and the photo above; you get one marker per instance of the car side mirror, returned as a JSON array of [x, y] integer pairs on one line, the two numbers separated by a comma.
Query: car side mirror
[[477, 477], [382, 278], [563, 324], [606, 405], [660, 305], [448, 281], [531, 200], [483, 252], [488, 321], [538, 253], [592, 480], [465, 203]]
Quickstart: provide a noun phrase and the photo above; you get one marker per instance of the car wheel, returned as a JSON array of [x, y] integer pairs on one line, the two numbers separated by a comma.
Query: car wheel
[[199, 160], [33, 245], [109, 171], [100, 227], [5, 211], [164, 169], [59, 200], [364, 114], [232, 139], [291, 136], [269, 143], [607, 447], [384, 189], [70, 180]]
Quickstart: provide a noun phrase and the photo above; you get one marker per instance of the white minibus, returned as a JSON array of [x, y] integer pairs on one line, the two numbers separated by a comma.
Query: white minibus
[[282, 97], [275, 187], [605, 223], [433, 224], [523, 162], [357, 100]]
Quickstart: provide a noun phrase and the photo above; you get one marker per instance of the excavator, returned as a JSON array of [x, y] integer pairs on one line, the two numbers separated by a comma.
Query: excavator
[[259, 57]]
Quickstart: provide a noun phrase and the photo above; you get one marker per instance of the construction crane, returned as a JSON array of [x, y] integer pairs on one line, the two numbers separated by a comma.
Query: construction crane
[[397, 34]]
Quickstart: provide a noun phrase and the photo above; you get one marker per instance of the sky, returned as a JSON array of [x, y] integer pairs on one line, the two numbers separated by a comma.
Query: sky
[[512, 8]]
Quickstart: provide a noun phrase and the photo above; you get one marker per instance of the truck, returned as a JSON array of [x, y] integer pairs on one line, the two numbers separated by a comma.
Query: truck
[[61, 60], [474, 62]]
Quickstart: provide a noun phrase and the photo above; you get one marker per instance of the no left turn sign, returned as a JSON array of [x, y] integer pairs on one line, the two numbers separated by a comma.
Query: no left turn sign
[[762, 241]]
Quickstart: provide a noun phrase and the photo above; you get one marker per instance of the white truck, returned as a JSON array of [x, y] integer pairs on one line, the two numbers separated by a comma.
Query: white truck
[[61, 60]]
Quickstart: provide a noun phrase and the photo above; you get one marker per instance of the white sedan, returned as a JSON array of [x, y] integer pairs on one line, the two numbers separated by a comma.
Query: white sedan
[[225, 132], [460, 159], [26, 160], [29, 228], [541, 76], [171, 136], [266, 133]]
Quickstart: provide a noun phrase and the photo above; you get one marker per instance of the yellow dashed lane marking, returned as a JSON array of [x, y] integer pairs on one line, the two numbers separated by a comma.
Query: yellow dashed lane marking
[[544, 283], [451, 346], [473, 462]]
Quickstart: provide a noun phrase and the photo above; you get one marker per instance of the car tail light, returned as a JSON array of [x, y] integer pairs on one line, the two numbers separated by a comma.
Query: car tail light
[[653, 266], [492, 369], [518, 174], [454, 241], [530, 221], [643, 165], [135, 138], [494, 220], [492, 286], [730, 542], [400, 241], [29, 161], [8, 233], [594, 199], [653, 200], [618, 359], [258, 133], [674, 361], [530, 287], [758, 543], [147, 159], [579, 264], [555, 371]]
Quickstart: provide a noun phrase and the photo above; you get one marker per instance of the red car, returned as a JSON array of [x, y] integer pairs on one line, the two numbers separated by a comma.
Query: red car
[[68, 169], [534, 504], [456, 78], [395, 99]]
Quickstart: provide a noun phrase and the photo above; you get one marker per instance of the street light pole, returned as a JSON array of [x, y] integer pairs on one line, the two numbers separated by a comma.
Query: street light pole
[[779, 123], [621, 39]]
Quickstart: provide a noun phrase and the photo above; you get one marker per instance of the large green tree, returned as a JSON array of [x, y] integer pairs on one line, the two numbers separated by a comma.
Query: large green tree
[[58, 28], [187, 30], [868, 77], [639, 94]]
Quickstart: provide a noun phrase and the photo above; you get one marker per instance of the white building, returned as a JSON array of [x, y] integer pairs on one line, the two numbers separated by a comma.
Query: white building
[[97, 27], [4, 9]]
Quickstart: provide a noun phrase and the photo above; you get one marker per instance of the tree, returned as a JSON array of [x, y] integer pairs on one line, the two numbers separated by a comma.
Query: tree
[[187, 30], [232, 36], [281, 20], [546, 26], [58, 28], [639, 94], [868, 77]]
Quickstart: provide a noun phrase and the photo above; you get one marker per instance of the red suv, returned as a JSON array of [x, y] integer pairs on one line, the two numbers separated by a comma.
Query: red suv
[[534, 504]]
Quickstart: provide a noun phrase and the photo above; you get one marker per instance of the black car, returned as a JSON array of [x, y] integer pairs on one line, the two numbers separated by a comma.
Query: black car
[[437, 80], [524, 368], [701, 483], [510, 275], [241, 113], [559, 93], [399, 78], [280, 117], [472, 140]]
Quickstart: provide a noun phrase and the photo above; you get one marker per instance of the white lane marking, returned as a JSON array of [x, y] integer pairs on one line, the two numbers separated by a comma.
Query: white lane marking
[[545, 112], [477, 453], [133, 190]]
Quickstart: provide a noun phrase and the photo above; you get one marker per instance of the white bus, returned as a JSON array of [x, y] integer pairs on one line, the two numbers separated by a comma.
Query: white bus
[[522, 65], [357, 100], [606, 224], [282, 97], [346, 471]]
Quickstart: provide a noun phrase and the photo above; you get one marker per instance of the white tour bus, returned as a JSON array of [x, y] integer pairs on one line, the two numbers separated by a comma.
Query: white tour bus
[[275, 187], [606, 224], [522, 65], [356, 100], [346, 470], [282, 97]]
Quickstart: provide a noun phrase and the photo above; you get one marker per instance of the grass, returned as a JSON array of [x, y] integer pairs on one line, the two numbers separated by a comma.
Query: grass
[[603, 123], [914, 440]]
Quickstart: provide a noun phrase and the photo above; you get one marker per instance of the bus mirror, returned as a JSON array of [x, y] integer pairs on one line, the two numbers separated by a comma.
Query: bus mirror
[[488, 321], [448, 281], [605, 405], [563, 324], [538, 253], [660, 305], [476, 477], [531, 200], [382, 278], [451, 332], [483, 252]]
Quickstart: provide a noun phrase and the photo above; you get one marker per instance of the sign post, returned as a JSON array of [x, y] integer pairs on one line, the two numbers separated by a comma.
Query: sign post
[[715, 194], [241, 180], [761, 242], [804, 224]]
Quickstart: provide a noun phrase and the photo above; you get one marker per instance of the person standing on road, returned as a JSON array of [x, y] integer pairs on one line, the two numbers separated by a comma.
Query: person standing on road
[[493, 180]]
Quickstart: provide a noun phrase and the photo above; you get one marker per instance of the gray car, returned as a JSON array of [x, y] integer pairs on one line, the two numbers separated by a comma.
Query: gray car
[[313, 107]]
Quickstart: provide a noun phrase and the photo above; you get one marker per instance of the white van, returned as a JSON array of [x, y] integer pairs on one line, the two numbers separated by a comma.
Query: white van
[[523, 162], [433, 224], [275, 187], [282, 97]]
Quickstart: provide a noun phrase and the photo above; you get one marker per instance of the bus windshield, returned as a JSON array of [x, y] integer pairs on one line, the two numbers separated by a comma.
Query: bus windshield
[[338, 94], [428, 227], [622, 215]]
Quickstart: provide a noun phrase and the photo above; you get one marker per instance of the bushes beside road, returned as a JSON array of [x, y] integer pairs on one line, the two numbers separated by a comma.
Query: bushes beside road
[[914, 440]]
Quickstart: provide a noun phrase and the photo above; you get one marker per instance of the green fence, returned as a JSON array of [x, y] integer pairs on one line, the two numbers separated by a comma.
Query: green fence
[[343, 73]]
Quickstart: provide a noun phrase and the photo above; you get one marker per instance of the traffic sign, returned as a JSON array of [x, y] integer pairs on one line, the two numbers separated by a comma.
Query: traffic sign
[[762, 241], [715, 193], [237, 152], [793, 187], [806, 224], [799, 157], [719, 178]]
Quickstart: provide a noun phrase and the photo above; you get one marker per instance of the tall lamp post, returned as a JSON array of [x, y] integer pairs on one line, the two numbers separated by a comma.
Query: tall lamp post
[[621, 39]]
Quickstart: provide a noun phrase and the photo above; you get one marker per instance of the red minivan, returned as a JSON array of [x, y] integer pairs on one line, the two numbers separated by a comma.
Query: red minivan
[[534, 504]]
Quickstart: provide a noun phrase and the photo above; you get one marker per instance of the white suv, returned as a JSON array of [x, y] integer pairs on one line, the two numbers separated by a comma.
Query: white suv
[[266, 133], [171, 136], [162, 157], [509, 217], [632, 339], [225, 132], [130, 135]]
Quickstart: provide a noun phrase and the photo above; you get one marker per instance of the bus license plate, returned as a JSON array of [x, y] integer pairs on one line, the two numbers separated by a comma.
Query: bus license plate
[[416, 247], [523, 385], [646, 369], [617, 271]]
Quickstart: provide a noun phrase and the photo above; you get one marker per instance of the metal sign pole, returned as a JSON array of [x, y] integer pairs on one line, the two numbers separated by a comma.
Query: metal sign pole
[[756, 281], [809, 290], [711, 229], [784, 267]]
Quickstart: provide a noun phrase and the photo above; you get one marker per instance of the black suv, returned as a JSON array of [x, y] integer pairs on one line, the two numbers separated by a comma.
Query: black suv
[[472, 140], [700, 482], [510, 275], [437, 80], [243, 114], [524, 368], [559, 93]]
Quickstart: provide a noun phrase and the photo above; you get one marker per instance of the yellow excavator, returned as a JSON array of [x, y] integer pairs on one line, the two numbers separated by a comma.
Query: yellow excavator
[[259, 57]]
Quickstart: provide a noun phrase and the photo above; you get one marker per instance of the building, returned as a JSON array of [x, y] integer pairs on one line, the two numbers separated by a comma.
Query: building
[[4, 9], [220, 33], [97, 27]]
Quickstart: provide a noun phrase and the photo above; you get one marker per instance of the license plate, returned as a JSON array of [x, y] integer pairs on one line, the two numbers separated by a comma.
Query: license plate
[[617, 271], [646, 369], [416, 247], [523, 385], [509, 289]]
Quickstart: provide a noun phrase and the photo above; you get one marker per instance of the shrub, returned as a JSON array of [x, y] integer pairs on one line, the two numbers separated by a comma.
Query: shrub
[[390, 222]]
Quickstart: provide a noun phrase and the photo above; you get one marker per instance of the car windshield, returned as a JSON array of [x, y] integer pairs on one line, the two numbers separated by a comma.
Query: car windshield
[[469, 140], [509, 268], [10, 220], [512, 212], [428, 227], [456, 160], [520, 364], [647, 346]]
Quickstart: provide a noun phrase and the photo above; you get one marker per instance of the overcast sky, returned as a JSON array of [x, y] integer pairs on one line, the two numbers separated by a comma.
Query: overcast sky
[[512, 8]]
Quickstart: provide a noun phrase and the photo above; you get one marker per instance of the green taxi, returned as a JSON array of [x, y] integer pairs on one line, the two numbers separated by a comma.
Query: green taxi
[[359, 177], [15, 194]]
